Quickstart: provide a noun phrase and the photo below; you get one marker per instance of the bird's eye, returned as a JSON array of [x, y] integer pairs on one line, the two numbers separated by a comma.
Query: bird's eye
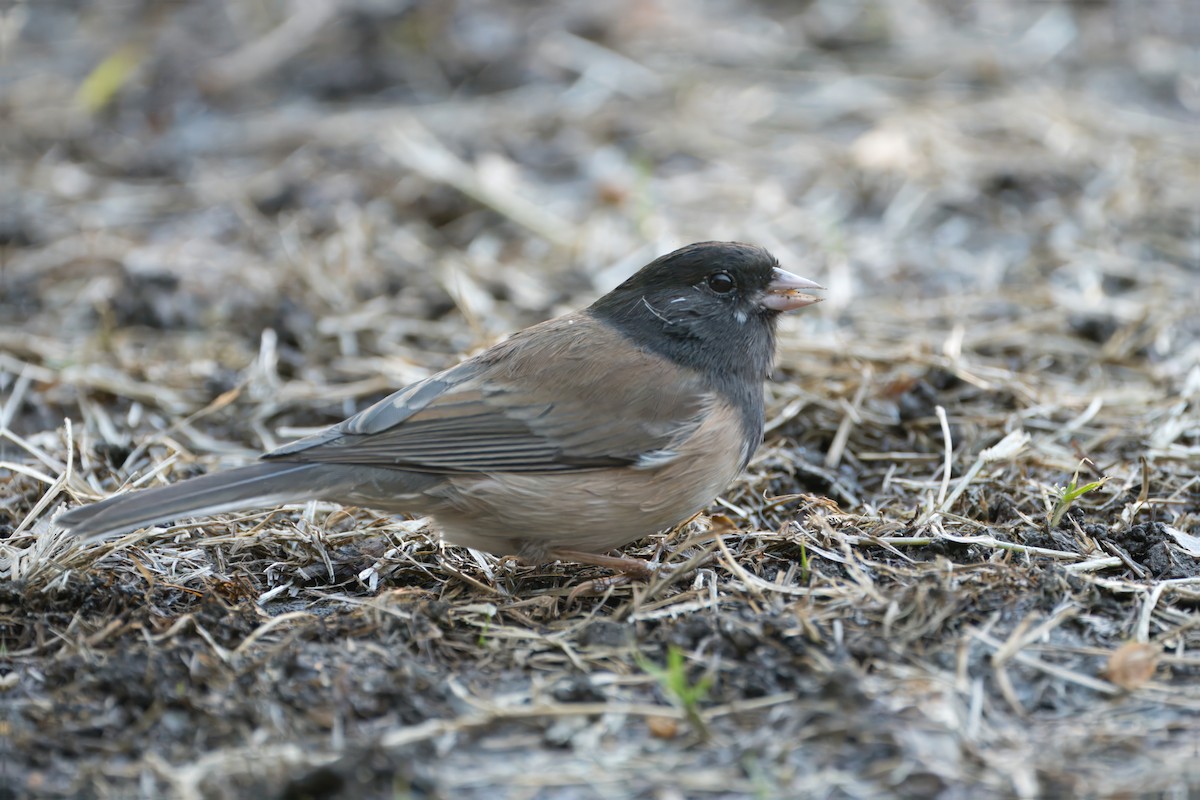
[[721, 282]]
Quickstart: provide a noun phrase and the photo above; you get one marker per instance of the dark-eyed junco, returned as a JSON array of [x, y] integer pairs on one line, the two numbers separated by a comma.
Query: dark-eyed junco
[[567, 440]]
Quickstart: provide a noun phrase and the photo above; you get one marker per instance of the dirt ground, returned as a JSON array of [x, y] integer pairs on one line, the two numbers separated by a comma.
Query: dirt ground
[[224, 223]]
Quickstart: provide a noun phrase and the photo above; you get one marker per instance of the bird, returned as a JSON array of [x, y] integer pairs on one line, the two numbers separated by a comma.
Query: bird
[[563, 442]]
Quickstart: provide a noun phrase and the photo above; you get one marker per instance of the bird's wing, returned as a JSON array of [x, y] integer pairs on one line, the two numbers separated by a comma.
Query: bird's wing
[[568, 394]]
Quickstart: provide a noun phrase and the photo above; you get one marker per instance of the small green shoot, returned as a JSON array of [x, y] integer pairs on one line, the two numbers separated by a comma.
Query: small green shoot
[[106, 80], [683, 694], [1068, 494]]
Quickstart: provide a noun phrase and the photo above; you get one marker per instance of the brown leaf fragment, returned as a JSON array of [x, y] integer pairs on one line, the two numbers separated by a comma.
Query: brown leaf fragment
[[663, 727], [1132, 664]]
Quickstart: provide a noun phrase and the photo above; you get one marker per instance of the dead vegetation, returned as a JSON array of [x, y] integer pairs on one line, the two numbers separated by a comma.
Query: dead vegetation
[[231, 228]]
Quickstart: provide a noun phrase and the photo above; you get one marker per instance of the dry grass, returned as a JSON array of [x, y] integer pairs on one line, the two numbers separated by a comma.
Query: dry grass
[[248, 224]]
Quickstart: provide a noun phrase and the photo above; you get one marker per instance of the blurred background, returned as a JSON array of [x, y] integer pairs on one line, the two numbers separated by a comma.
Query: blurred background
[[360, 175], [225, 222]]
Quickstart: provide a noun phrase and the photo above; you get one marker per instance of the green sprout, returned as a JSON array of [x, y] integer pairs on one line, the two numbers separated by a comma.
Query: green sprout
[[683, 694], [107, 79], [1067, 495]]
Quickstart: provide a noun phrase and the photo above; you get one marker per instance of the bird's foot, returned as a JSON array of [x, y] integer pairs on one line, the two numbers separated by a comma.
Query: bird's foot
[[628, 570]]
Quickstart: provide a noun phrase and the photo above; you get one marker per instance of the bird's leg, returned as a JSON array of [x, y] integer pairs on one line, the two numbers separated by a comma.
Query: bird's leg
[[627, 569], [631, 568]]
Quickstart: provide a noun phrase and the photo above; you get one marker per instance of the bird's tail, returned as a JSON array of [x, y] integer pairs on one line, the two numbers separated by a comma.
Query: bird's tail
[[248, 487]]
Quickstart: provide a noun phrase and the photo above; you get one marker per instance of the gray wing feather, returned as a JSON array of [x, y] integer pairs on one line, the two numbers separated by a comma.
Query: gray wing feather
[[540, 408]]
